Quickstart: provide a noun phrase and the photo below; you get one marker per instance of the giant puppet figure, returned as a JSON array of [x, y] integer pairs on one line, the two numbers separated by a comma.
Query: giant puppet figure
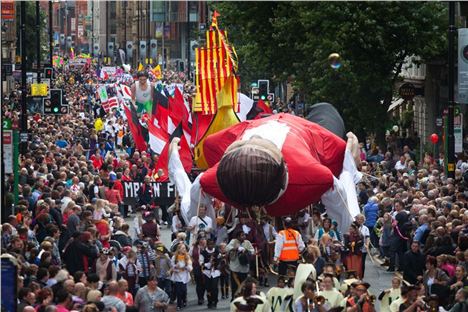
[[282, 163]]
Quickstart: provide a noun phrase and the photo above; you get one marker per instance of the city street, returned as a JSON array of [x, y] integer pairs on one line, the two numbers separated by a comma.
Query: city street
[[375, 275], [291, 129]]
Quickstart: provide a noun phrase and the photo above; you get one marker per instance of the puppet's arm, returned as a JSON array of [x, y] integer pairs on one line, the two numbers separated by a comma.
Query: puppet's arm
[[343, 194]]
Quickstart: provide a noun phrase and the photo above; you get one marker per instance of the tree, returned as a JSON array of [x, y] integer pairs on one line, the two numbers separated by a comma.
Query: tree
[[294, 39], [30, 51]]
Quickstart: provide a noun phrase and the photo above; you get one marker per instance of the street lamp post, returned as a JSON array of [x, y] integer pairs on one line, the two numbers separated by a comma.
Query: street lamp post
[[38, 41], [24, 112], [450, 145], [107, 29], [51, 42]]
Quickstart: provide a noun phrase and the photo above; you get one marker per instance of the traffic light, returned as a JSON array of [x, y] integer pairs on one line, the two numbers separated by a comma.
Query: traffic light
[[48, 72], [54, 104], [263, 88]]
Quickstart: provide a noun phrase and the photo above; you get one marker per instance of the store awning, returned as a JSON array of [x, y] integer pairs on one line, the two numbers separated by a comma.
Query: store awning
[[395, 103]]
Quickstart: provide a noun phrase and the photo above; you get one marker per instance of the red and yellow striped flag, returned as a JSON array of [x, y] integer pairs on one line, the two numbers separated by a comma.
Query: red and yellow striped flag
[[214, 65]]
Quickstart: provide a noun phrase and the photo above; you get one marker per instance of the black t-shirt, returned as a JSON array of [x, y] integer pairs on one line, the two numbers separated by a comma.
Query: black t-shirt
[[404, 306]]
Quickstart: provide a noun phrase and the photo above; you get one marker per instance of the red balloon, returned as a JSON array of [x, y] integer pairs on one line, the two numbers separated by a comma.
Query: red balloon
[[434, 138]]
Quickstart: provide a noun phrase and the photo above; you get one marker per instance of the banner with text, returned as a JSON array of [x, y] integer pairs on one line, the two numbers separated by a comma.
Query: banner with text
[[163, 192]]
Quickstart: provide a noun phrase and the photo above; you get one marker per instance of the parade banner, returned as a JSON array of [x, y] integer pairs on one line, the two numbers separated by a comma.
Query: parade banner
[[163, 193], [78, 61], [463, 65], [110, 70]]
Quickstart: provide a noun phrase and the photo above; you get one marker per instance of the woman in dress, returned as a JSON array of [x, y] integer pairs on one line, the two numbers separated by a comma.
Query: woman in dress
[[353, 242]]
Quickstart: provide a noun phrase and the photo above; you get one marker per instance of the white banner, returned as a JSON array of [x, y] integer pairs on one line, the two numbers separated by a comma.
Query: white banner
[[110, 70], [7, 145], [463, 66], [458, 132]]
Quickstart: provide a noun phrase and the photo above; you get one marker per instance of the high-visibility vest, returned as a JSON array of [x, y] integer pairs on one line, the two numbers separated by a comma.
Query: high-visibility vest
[[290, 250]]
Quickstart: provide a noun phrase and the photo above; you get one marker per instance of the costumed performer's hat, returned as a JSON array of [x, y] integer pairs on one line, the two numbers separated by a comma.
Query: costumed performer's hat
[[360, 284]]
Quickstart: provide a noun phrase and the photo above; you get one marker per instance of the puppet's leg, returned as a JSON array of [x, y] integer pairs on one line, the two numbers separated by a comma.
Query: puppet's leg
[[191, 193], [328, 117]]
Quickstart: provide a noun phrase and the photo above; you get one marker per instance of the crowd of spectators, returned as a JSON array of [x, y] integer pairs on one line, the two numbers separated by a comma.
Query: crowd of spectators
[[78, 247]]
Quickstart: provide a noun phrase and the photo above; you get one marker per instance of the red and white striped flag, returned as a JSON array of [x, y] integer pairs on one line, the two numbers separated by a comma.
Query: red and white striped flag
[[110, 104], [158, 137]]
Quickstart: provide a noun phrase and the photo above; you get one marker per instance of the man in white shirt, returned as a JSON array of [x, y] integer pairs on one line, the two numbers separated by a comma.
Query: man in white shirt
[[199, 223], [401, 164]]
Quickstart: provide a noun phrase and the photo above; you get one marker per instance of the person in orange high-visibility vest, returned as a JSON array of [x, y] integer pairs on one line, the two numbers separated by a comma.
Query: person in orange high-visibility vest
[[288, 247]]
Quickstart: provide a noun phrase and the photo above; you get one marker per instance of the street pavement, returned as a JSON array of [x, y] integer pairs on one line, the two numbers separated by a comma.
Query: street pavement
[[374, 274]]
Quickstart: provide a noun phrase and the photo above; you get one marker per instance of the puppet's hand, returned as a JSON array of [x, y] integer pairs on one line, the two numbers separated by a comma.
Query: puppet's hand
[[353, 146], [174, 145]]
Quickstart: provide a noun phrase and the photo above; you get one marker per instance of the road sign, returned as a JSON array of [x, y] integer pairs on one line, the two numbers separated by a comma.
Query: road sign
[[255, 94], [8, 10], [407, 91], [24, 137], [451, 167], [65, 109], [439, 122], [7, 145], [271, 97], [6, 124], [39, 89], [35, 105]]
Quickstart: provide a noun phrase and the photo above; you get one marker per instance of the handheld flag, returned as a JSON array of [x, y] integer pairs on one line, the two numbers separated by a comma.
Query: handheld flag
[[140, 67], [158, 137], [157, 72], [135, 127]]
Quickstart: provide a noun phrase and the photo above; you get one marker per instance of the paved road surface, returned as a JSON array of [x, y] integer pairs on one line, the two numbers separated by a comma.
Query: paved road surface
[[376, 276]]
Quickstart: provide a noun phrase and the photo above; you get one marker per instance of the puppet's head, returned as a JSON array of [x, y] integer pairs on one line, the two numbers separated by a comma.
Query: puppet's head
[[252, 173]]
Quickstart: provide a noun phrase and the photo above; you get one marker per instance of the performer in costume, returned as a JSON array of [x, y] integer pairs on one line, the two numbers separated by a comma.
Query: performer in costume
[[142, 93], [280, 297], [388, 296]]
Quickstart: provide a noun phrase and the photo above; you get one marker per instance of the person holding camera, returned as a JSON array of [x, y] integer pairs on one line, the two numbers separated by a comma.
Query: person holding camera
[[239, 250], [413, 302], [361, 301]]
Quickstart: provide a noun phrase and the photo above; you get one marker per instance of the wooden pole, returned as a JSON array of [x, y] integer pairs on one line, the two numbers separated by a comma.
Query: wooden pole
[[256, 261], [198, 208]]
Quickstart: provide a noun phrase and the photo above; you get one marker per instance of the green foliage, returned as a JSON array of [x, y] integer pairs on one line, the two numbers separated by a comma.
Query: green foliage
[[31, 32], [277, 40]]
